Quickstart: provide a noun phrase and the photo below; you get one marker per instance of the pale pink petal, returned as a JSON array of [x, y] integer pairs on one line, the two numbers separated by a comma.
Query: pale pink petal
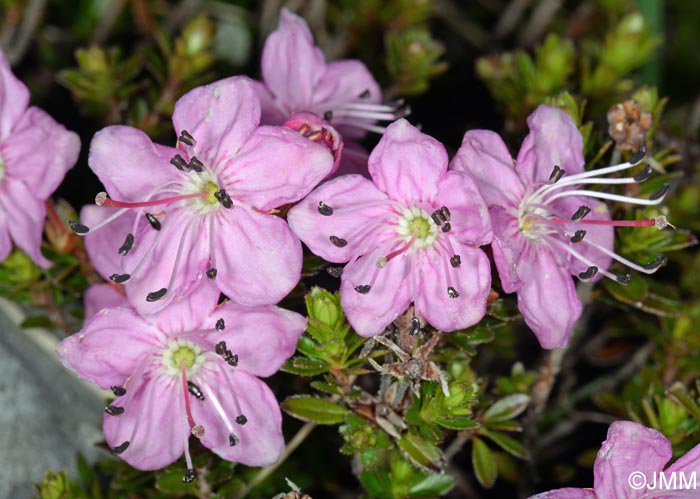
[[110, 347], [272, 112], [291, 64], [100, 296], [687, 463], [568, 493], [629, 447], [14, 98], [259, 255], [5, 241], [389, 296], [262, 337], [321, 132], [548, 299], [553, 141], [25, 218], [470, 218], [357, 204], [103, 245], [188, 310], [128, 164], [181, 232], [343, 82], [602, 235], [275, 166], [39, 152], [158, 406], [220, 116], [407, 164], [472, 280], [484, 155], [260, 440], [508, 245]]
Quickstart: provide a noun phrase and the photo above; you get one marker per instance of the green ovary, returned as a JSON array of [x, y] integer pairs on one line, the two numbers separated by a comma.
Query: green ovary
[[209, 189], [420, 227], [186, 355]]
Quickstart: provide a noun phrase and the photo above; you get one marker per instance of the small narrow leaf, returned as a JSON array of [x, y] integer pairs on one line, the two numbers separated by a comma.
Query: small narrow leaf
[[507, 443], [484, 464], [435, 484], [305, 367], [420, 452], [507, 408], [318, 410]]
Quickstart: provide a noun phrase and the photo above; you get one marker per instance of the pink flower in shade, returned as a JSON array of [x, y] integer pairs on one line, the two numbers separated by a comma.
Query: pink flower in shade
[[631, 459], [35, 153], [191, 369], [548, 227], [411, 234], [204, 208], [296, 78]]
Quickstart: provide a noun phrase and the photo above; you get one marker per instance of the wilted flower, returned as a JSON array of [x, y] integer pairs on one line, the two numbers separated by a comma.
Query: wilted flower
[[628, 125], [206, 207], [630, 465], [296, 78], [35, 153], [191, 369], [546, 227], [409, 235]]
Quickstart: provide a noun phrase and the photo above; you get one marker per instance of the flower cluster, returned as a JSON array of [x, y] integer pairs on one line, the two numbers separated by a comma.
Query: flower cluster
[[202, 240]]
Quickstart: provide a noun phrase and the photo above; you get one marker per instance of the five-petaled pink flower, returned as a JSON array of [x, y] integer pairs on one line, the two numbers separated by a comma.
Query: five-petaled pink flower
[[191, 369], [205, 208], [546, 227], [409, 235], [35, 153], [630, 465], [296, 79]]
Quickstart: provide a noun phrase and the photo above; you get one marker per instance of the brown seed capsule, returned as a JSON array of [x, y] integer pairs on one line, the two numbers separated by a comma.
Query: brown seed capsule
[[628, 125]]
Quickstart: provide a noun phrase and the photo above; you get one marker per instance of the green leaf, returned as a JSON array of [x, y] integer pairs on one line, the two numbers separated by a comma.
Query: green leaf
[[420, 452], [325, 387], [316, 409], [305, 367], [435, 484], [507, 443], [171, 481], [484, 464], [457, 423], [507, 408]]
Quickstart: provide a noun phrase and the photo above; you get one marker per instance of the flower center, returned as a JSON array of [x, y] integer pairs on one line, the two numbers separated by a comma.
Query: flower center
[[532, 220], [179, 352], [416, 226], [206, 184], [2, 167]]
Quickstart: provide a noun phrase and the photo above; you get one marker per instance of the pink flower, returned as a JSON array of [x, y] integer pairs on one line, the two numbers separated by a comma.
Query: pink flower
[[411, 234], [191, 369], [318, 130], [205, 208], [296, 78], [546, 226], [630, 464], [35, 153]]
